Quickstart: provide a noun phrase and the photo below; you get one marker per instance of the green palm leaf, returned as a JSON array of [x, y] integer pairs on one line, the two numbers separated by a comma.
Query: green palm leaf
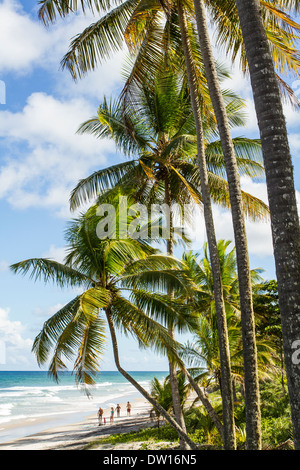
[[93, 300], [98, 182], [90, 350], [52, 329], [162, 307], [131, 319], [99, 40], [49, 270]]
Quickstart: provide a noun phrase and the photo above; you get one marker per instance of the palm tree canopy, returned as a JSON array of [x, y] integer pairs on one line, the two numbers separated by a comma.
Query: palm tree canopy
[[203, 353], [139, 24], [119, 274], [158, 133]]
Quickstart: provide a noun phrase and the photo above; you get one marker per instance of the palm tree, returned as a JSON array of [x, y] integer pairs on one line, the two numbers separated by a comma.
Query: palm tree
[[106, 35], [204, 351], [162, 136], [162, 392], [202, 355], [250, 357], [282, 33], [266, 308], [281, 190], [83, 56], [160, 144], [228, 416], [108, 271], [247, 314]]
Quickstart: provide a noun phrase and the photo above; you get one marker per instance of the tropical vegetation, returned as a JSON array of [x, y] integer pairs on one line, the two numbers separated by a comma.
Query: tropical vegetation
[[173, 123]]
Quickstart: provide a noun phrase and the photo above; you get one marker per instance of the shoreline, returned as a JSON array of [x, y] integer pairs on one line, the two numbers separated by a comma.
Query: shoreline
[[74, 436]]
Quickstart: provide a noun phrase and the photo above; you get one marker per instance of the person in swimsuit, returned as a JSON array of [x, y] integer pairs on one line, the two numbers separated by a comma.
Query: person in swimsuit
[[128, 408], [112, 412], [100, 414]]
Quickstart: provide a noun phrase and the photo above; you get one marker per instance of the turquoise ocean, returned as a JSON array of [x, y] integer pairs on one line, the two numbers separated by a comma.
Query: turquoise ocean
[[31, 401]]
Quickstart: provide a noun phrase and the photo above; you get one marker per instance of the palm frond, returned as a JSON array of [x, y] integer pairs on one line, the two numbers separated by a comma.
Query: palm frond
[[52, 330], [93, 300], [149, 333], [90, 350], [248, 156], [120, 252], [99, 40], [281, 29], [88, 188], [158, 273], [49, 270], [164, 309]]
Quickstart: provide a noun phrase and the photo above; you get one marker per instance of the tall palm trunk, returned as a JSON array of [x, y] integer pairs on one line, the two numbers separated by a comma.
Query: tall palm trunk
[[201, 395], [227, 396], [281, 192], [172, 367], [252, 398], [145, 394]]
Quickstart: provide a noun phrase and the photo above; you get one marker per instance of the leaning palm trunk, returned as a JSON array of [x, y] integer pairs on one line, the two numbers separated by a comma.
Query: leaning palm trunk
[[281, 192], [145, 394], [172, 367], [227, 396], [211, 412], [252, 398]]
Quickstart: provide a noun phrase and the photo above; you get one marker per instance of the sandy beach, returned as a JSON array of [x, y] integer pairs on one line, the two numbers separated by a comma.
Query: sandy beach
[[76, 436]]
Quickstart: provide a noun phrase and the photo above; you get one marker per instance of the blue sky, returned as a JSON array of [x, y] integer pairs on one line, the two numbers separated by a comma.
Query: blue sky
[[41, 160]]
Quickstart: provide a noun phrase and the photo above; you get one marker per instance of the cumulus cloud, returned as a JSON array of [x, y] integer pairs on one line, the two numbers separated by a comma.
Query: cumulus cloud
[[258, 233], [49, 157], [29, 45], [4, 265], [16, 350], [24, 39], [56, 253], [42, 157]]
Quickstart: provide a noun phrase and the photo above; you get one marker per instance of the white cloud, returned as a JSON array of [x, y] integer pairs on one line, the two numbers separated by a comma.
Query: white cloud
[[23, 38], [258, 233], [28, 45], [257, 189], [47, 312], [46, 120], [16, 349], [44, 157], [294, 140], [4, 265], [52, 157], [56, 253]]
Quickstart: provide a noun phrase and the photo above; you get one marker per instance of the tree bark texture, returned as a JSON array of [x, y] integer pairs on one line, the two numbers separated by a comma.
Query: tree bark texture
[[227, 399], [172, 367], [252, 398], [145, 394], [281, 192]]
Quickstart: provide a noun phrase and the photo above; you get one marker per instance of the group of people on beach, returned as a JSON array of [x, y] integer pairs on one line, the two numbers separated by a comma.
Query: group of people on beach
[[102, 419]]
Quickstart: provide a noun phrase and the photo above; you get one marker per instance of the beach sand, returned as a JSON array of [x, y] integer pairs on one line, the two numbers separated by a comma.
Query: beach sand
[[76, 436]]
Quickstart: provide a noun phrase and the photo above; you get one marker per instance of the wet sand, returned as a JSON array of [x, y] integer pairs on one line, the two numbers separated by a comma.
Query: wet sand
[[74, 436]]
